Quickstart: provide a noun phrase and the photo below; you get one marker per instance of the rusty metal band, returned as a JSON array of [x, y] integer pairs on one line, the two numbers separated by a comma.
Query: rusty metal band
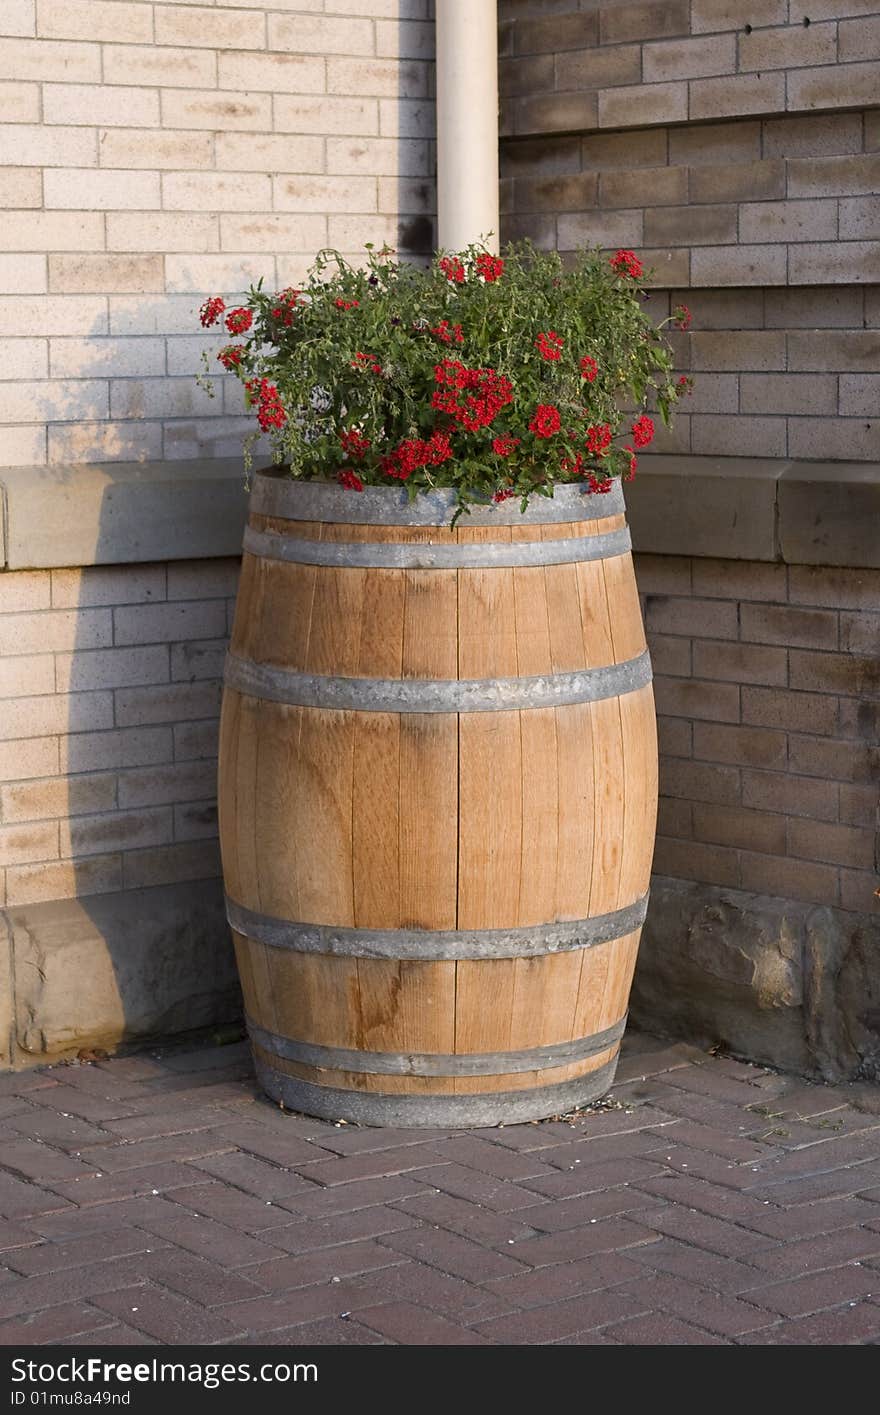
[[437, 945], [294, 500], [399, 555], [440, 1111], [390, 1063], [280, 685]]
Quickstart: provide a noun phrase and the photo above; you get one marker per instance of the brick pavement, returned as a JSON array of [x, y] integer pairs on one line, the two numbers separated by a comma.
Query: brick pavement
[[158, 1199]]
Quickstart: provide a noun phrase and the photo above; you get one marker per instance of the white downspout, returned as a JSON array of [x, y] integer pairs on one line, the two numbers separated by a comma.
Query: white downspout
[[467, 123]]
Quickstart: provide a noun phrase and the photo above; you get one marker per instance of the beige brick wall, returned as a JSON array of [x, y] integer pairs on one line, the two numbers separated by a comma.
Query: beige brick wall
[[109, 697], [768, 699], [739, 155], [151, 153]]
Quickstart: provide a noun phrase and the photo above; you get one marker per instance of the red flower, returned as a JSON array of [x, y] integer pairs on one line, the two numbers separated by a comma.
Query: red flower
[[239, 321], [546, 421], [414, 453], [598, 485], [473, 397], [633, 460], [366, 361], [599, 439], [354, 444], [270, 411], [505, 445], [453, 269], [442, 332], [681, 317], [643, 431], [231, 356], [589, 368], [346, 477], [211, 311], [347, 304], [549, 346], [491, 267], [504, 493], [287, 301], [627, 263]]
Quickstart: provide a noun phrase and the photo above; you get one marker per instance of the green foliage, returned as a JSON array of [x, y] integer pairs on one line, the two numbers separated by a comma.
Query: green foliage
[[349, 375]]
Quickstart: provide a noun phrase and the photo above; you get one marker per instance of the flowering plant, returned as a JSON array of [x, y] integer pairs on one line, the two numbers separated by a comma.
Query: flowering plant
[[496, 376]]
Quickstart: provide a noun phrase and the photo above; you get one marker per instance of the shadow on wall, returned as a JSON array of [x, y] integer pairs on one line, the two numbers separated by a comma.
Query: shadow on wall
[[129, 941]]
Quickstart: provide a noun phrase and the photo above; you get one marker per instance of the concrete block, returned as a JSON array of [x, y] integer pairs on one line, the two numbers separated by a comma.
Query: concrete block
[[828, 514], [724, 507], [200, 109], [123, 513], [116, 968], [159, 65]]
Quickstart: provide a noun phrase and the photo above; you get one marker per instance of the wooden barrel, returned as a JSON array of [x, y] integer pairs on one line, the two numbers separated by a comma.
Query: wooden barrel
[[438, 786]]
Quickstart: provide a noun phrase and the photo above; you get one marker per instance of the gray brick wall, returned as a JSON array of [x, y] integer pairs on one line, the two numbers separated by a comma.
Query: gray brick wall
[[156, 152], [742, 160], [109, 698]]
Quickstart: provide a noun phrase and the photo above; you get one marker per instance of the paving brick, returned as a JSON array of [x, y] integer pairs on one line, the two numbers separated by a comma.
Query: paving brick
[[657, 1329], [830, 1250], [70, 1284], [543, 1324], [365, 1166], [566, 1280], [496, 1230], [453, 1254], [842, 1326], [566, 1245], [409, 1324], [54, 1257], [476, 1153], [816, 1291], [705, 1231], [164, 1315], [55, 1324]]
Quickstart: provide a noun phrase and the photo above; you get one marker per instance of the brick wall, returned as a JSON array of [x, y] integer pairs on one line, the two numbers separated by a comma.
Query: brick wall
[[738, 151], [110, 687], [155, 152], [768, 698]]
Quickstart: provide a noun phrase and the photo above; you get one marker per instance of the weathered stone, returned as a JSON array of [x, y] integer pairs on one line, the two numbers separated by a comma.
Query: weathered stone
[[118, 968], [122, 513], [789, 984], [828, 514]]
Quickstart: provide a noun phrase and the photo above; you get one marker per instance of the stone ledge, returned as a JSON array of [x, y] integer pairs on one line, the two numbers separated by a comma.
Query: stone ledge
[[792, 985], [745, 508], [739, 508], [121, 513], [130, 967]]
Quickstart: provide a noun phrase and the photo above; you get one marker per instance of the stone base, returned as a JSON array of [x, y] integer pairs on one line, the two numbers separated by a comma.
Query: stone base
[[99, 971], [792, 985]]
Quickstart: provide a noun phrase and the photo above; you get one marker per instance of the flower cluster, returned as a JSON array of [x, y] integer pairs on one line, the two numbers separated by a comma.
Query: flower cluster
[[484, 391], [264, 396], [549, 346], [447, 336], [211, 311], [354, 377], [414, 454], [354, 444], [628, 264]]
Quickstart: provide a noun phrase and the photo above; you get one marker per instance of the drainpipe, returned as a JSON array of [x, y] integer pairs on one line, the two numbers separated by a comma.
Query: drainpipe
[[467, 123]]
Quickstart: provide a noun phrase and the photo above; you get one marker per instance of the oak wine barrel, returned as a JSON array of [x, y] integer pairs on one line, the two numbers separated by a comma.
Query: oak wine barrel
[[438, 789]]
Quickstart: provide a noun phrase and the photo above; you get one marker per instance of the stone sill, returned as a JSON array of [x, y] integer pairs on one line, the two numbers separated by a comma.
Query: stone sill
[[739, 508]]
